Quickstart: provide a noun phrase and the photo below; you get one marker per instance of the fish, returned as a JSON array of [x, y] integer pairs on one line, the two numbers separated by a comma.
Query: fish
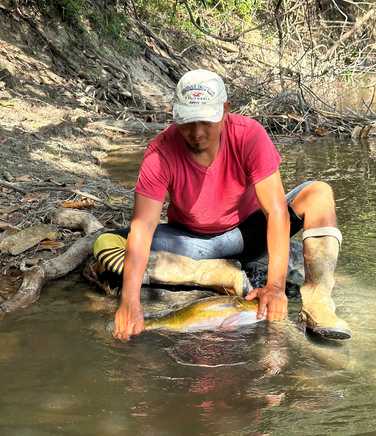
[[211, 313]]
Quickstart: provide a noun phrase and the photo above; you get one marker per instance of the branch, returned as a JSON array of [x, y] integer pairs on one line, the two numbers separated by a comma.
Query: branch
[[59, 188], [356, 27], [12, 186]]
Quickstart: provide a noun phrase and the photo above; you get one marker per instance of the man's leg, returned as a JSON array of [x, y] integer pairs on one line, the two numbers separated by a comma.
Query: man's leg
[[253, 230], [180, 241], [171, 259], [321, 242]]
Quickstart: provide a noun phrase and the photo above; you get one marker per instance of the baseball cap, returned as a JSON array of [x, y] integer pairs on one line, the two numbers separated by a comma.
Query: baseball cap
[[199, 96]]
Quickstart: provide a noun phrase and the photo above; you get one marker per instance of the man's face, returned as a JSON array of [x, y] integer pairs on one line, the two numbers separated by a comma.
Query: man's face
[[201, 135]]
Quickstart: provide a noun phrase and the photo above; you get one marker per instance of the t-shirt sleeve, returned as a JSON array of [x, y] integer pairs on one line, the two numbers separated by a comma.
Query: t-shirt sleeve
[[262, 157], [154, 176]]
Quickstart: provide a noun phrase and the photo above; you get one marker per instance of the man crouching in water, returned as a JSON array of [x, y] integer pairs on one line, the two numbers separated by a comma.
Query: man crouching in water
[[221, 172]]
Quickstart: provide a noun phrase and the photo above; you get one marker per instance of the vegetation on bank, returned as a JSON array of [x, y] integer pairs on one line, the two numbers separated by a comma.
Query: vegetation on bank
[[317, 26], [294, 64]]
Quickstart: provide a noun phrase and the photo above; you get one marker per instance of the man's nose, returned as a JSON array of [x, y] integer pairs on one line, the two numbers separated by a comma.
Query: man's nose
[[197, 130]]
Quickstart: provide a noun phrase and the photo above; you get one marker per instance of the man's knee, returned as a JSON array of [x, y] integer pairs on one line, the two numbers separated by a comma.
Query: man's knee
[[317, 200], [314, 193], [322, 189]]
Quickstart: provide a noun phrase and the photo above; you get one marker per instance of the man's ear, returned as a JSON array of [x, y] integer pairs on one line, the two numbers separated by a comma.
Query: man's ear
[[226, 107]]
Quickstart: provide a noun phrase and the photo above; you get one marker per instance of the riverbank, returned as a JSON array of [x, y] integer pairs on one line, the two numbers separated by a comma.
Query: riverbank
[[52, 157]]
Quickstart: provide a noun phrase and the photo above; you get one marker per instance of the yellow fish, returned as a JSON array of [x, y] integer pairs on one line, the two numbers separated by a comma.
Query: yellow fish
[[212, 313]]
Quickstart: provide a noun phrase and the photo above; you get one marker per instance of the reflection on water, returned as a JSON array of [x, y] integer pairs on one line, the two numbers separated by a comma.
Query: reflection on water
[[60, 373], [123, 164]]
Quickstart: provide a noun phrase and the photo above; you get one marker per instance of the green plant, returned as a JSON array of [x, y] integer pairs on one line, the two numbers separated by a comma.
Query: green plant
[[70, 11], [109, 23]]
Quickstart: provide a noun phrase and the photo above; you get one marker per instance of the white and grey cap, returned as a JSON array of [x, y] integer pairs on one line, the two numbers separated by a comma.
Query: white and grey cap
[[199, 96]]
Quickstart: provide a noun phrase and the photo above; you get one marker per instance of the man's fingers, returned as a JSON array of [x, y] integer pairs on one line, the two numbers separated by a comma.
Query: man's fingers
[[124, 333], [261, 309], [116, 331], [272, 306], [252, 295], [276, 315], [128, 323], [123, 336], [121, 330], [137, 329]]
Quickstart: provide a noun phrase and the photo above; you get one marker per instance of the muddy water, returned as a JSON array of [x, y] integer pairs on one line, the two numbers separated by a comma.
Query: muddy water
[[60, 374]]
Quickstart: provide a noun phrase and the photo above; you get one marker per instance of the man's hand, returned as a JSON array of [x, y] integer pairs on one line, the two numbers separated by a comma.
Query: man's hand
[[129, 321], [272, 303]]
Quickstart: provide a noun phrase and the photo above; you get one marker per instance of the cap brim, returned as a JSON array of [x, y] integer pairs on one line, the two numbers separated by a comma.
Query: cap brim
[[183, 114]]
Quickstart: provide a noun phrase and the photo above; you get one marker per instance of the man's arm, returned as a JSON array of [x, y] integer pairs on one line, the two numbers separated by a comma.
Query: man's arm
[[273, 300], [129, 318]]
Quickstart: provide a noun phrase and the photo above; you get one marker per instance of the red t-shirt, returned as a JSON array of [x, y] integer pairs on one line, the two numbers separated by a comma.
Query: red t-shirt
[[210, 199]]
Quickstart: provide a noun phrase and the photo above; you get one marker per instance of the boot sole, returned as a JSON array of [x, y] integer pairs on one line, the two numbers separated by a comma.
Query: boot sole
[[329, 333]]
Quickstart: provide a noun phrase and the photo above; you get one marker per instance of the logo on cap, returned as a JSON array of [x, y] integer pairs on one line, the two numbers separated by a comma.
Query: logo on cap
[[198, 87]]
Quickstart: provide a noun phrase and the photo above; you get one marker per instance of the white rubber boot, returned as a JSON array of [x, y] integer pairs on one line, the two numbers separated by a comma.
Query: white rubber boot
[[223, 275], [321, 248]]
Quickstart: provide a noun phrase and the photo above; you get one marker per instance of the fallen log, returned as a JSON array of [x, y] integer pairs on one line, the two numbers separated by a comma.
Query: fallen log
[[36, 276]]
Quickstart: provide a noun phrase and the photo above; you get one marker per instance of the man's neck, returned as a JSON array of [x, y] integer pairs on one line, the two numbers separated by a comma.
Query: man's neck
[[205, 157]]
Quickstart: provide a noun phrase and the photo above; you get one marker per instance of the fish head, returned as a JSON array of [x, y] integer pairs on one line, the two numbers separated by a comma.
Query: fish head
[[241, 304]]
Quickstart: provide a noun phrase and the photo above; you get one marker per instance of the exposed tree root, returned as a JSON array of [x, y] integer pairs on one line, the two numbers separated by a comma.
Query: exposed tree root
[[36, 276], [77, 220]]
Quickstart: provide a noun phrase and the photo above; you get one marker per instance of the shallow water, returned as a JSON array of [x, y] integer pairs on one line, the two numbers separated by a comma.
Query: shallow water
[[61, 374]]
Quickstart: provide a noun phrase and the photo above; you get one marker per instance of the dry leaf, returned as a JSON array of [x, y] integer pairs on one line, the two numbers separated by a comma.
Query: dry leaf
[[83, 203], [321, 131], [50, 244]]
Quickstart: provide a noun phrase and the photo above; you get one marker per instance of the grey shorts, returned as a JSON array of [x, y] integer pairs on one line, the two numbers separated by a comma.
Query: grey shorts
[[247, 240]]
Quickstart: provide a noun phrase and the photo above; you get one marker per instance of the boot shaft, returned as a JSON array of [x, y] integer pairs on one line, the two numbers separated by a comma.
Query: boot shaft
[[320, 260]]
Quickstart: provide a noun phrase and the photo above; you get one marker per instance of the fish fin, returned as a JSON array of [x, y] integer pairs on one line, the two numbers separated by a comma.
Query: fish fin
[[239, 319], [231, 323]]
